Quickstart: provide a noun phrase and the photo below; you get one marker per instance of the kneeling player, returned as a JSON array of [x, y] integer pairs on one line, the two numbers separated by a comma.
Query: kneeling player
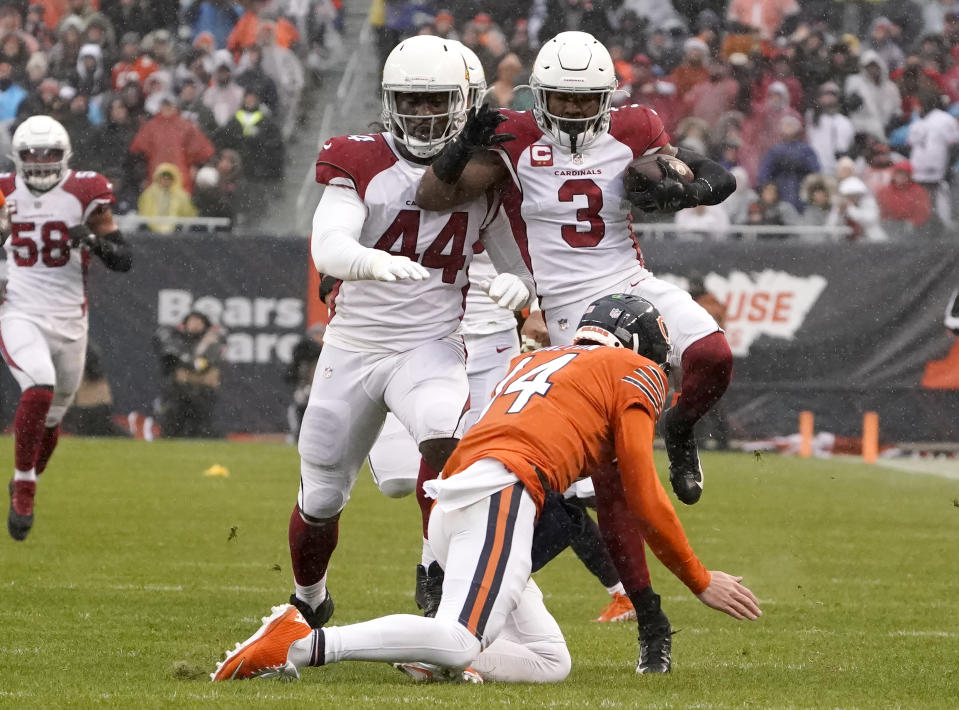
[[559, 411]]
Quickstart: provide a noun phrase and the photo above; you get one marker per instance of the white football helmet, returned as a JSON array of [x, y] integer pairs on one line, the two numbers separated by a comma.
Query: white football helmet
[[573, 62], [425, 64], [41, 151], [477, 77]]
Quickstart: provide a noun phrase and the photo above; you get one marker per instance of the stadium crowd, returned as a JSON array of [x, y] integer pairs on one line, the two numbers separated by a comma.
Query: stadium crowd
[[186, 107], [830, 113]]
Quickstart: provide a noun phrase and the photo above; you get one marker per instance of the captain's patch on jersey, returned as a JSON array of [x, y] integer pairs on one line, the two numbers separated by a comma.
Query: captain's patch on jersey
[[540, 156]]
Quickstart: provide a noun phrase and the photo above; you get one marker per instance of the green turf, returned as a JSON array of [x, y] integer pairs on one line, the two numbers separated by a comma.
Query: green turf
[[130, 587]]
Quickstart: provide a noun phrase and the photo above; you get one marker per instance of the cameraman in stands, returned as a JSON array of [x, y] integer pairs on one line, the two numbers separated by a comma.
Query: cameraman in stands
[[190, 356]]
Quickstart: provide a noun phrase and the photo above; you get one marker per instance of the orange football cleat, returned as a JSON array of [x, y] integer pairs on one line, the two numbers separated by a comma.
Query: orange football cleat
[[619, 609], [263, 655]]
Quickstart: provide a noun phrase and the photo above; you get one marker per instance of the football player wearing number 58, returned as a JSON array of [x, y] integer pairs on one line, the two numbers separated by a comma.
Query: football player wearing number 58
[[58, 218], [390, 344]]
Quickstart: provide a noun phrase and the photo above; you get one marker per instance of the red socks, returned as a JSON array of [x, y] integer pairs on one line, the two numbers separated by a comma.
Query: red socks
[[29, 425], [47, 444], [426, 504], [707, 371], [311, 546]]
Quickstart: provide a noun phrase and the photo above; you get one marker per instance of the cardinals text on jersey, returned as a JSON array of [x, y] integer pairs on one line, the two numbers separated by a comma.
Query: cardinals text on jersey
[[569, 211]]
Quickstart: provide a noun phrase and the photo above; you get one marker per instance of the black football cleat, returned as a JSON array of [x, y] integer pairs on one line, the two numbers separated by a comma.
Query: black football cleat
[[317, 618], [685, 470], [20, 518], [429, 588], [655, 646]]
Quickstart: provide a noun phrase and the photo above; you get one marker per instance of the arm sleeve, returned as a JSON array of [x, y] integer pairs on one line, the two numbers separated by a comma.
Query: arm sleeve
[[505, 255], [114, 251], [648, 500], [719, 182], [337, 224]]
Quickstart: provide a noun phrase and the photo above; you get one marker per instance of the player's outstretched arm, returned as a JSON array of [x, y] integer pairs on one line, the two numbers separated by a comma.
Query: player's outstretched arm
[[712, 183], [728, 594], [337, 224], [466, 168], [103, 237]]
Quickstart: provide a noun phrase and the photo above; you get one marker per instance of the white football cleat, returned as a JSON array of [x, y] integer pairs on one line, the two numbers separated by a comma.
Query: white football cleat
[[431, 673]]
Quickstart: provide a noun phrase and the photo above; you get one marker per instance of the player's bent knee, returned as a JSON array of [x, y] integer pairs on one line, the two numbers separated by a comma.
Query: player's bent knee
[[323, 435], [397, 487], [555, 659], [436, 452], [460, 647], [322, 504]]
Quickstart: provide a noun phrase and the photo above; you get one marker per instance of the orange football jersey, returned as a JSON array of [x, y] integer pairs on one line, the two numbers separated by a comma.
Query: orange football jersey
[[569, 410]]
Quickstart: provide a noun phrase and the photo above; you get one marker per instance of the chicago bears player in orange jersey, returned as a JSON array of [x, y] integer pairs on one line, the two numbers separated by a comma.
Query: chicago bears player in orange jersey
[[561, 167], [559, 411], [59, 217]]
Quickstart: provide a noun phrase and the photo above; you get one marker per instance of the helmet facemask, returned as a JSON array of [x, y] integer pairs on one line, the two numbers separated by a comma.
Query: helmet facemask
[[424, 134], [572, 133], [41, 168]]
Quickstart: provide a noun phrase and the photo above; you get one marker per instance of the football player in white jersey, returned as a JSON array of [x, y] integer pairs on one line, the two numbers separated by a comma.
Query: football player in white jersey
[[489, 332], [59, 217], [391, 343], [562, 174]]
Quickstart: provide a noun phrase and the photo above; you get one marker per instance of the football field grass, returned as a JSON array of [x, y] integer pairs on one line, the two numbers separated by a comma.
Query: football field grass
[[140, 571]]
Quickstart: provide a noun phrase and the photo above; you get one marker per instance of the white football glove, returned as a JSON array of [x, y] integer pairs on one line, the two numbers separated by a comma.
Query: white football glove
[[383, 266], [508, 291]]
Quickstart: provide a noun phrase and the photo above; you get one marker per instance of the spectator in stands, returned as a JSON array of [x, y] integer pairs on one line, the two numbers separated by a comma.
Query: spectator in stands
[[761, 131], [252, 76], [63, 55], [256, 137], [126, 194], [883, 36], [218, 17], [877, 172], [767, 16], [190, 357], [658, 94], [779, 71], [14, 51], [112, 143], [817, 194], [98, 30], [245, 31], [127, 61], [737, 204], [811, 62], [857, 209], [703, 223], [46, 100], [770, 210], [286, 71], [129, 16], [711, 99], [192, 106], [131, 93], [904, 205], [224, 96], [788, 163], [501, 91], [79, 127], [829, 133], [168, 137], [35, 32], [90, 79], [165, 197], [934, 142], [12, 94], [693, 70], [872, 99]]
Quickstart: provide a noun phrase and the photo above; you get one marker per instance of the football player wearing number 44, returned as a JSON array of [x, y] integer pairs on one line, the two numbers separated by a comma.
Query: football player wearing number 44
[[559, 411], [58, 218], [390, 344]]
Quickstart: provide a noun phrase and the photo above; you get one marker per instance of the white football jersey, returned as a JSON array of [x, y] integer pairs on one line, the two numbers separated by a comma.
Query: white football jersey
[[399, 315], [569, 212], [45, 276]]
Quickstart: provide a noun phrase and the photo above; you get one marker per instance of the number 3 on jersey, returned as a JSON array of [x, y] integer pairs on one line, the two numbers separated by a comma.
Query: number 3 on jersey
[[406, 229], [534, 382]]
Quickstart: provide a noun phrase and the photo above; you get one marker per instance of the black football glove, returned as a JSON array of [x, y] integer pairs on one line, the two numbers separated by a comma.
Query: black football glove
[[670, 194], [479, 133], [81, 236], [480, 130]]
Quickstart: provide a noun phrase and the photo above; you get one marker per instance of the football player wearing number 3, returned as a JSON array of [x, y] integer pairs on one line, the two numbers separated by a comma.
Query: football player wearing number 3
[[390, 344], [561, 168], [59, 217]]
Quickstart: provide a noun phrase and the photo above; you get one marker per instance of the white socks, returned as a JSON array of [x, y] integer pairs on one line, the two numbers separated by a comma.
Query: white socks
[[617, 588], [30, 475], [314, 594]]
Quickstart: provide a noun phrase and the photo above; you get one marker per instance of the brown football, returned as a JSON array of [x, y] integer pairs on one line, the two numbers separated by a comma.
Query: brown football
[[645, 171]]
